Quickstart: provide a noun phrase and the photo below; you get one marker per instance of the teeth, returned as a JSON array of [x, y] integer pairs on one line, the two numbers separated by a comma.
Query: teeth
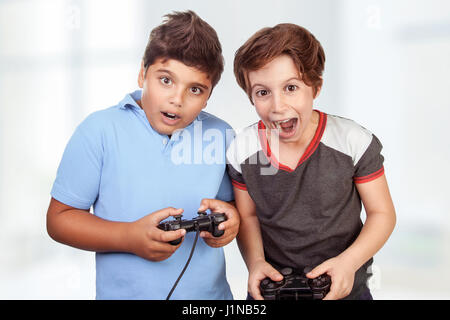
[[278, 123], [171, 115]]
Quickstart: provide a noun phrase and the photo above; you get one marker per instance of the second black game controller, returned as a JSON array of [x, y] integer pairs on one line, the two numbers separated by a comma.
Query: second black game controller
[[204, 222], [295, 286]]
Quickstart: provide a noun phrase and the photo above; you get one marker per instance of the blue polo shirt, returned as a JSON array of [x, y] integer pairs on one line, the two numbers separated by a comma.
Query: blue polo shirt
[[118, 164]]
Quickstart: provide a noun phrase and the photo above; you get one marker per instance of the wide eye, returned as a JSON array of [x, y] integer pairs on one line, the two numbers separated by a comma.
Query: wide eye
[[262, 93], [196, 90], [165, 80], [291, 87]]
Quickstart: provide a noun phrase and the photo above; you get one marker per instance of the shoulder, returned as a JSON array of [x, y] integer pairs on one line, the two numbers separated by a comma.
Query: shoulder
[[245, 144], [99, 121], [346, 136], [214, 126], [211, 121]]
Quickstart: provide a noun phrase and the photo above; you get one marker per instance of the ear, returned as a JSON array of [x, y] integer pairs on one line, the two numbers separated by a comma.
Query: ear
[[141, 77], [319, 88]]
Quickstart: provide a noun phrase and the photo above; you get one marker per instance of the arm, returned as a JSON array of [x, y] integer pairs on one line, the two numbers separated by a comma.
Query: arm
[[251, 246], [83, 230], [377, 228]]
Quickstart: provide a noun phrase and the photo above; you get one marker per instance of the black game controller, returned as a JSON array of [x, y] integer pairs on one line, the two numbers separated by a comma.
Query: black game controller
[[204, 222], [295, 286]]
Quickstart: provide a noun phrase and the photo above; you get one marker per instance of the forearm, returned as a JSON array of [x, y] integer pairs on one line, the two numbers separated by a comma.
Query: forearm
[[250, 241], [374, 234], [83, 230]]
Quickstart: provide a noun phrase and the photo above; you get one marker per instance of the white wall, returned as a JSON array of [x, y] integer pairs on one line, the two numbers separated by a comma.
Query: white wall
[[394, 60]]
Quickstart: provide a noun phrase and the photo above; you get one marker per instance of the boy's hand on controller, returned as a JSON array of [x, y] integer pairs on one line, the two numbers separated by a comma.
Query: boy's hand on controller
[[146, 240], [258, 271], [230, 226], [342, 277]]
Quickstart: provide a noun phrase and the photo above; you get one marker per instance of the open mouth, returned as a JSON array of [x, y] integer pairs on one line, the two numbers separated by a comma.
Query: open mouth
[[170, 118], [286, 127]]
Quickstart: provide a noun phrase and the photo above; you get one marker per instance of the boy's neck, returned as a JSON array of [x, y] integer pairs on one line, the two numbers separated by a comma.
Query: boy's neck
[[139, 103]]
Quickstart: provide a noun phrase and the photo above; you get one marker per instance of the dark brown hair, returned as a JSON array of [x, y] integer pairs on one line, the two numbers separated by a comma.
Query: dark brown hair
[[185, 37], [269, 43]]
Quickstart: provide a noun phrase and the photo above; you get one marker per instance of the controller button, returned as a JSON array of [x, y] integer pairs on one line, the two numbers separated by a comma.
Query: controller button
[[286, 271], [307, 270]]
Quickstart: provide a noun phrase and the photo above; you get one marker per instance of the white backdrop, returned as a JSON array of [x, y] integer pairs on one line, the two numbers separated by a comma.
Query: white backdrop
[[387, 66]]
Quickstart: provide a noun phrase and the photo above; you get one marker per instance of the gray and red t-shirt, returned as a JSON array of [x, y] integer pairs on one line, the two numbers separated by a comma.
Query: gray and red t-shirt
[[313, 212]]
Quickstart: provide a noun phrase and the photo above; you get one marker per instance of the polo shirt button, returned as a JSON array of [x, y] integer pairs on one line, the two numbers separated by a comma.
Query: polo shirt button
[[164, 141]]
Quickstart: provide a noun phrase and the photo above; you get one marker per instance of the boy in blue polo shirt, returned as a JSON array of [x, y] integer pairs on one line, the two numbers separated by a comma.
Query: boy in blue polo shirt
[[154, 155]]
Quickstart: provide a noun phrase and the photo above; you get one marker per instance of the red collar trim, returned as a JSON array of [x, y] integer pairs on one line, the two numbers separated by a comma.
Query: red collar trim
[[308, 152]]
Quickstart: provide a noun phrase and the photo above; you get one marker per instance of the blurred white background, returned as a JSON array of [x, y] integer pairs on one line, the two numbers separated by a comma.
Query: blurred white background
[[387, 67]]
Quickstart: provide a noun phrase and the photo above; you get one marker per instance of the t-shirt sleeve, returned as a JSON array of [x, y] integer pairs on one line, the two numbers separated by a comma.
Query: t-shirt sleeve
[[78, 176], [236, 178], [225, 192], [370, 166]]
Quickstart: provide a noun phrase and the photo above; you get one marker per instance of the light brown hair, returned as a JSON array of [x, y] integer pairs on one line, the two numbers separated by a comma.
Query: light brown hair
[[185, 37], [269, 43]]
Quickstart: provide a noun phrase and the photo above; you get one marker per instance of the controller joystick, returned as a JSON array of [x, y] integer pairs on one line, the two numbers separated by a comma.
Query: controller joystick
[[295, 286], [204, 222]]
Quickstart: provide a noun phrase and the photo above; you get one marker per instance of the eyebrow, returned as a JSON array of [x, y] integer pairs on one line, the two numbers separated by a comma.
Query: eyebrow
[[262, 85], [193, 84]]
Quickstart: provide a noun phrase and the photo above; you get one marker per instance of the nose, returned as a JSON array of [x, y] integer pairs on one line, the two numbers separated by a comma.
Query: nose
[[176, 98], [278, 104]]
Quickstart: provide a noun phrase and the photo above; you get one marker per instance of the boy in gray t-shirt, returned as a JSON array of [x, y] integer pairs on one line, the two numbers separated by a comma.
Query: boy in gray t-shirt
[[299, 175]]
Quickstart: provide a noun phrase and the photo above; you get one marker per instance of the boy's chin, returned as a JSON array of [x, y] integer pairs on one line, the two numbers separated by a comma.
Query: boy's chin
[[168, 130]]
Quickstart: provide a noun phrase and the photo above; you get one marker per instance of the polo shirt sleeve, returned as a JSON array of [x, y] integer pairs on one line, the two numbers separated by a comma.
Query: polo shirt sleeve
[[225, 192], [234, 167], [78, 176], [370, 166]]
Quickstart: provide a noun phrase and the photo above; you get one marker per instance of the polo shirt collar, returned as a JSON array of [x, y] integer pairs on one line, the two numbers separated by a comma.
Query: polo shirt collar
[[130, 100]]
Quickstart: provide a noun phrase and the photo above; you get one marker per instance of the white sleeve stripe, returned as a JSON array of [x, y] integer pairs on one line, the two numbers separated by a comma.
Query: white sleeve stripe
[[347, 136], [245, 144]]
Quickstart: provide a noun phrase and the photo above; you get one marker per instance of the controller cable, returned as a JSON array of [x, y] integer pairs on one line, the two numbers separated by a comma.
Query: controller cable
[[197, 231]]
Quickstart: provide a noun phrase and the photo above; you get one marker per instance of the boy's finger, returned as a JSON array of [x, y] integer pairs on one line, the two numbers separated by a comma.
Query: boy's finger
[[213, 204], [166, 236], [206, 235], [332, 295], [317, 271], [205, 204], [257, 296], [226, 225], [162, 214], [334, 290], [254, 291], [275, 275]]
